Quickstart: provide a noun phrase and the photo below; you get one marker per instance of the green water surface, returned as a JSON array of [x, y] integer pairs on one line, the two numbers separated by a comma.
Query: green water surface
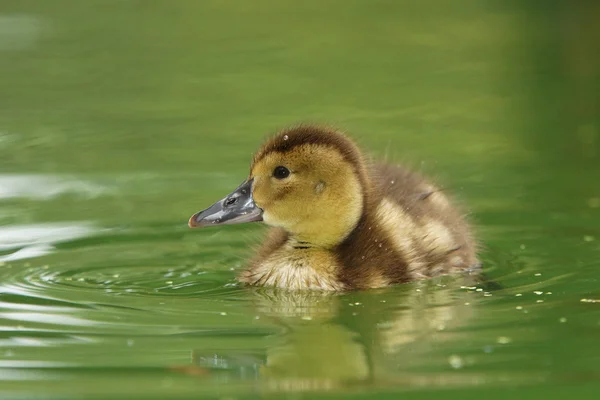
[[121, 118]]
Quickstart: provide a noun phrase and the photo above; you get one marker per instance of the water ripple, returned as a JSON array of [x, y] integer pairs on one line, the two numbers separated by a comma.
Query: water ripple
[[44, 187], [35, 240]]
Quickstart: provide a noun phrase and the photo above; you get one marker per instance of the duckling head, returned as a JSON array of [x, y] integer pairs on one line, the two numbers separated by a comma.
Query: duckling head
[[308, 180]]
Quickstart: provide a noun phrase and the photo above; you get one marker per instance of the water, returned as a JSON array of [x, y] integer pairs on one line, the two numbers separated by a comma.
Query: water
[[119, 119]]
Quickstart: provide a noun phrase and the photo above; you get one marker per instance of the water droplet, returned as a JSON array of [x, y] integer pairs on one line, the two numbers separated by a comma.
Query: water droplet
[[538, 274], [588, 238], [130, 342], [503, 340], [519, 307], [518, 294], [392, 182], [223, 313], [455, 361], [562, 320], [380, 244], [285, 137], [307, 318], [538, 292]]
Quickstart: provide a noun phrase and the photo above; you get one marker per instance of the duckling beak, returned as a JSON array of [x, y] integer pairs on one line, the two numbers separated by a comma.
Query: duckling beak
[[238, 207]]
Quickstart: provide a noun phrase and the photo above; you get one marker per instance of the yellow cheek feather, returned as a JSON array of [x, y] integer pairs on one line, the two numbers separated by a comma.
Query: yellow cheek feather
[[319, 203]]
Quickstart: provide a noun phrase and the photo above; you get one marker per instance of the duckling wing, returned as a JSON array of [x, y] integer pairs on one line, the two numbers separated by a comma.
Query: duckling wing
[[425, 217]]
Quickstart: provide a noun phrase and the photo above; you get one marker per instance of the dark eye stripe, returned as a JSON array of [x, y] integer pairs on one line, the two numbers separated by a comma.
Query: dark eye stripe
[[281, 172]]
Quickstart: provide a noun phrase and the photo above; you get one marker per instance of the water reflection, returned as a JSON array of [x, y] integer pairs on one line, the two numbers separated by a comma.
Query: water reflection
[[19, 32], [44, 187], [381, 338], [35, 240]]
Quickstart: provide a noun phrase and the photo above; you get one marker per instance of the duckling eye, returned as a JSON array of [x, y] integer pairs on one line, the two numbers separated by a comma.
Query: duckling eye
[[281, 172]]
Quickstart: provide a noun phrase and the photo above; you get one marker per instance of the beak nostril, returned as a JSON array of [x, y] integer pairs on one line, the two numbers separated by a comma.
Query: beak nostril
[[230, 201]]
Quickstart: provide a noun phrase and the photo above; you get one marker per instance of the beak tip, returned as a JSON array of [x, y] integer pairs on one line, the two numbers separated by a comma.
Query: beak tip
[[192, 223], [226, 212]]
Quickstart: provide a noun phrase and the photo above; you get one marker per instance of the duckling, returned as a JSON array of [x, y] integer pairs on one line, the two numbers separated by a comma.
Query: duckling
[[340, 222]]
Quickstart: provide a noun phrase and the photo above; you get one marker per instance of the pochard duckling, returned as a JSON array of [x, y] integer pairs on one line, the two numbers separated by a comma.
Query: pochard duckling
[[338, 221]]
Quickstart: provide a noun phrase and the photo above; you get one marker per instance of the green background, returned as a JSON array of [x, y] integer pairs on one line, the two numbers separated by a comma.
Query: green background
[[121, 118]]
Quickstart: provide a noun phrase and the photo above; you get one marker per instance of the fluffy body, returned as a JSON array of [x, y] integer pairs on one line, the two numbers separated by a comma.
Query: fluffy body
[[342, 223]]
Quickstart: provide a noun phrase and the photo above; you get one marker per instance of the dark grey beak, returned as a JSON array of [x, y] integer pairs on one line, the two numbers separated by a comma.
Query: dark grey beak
[[238, 207]]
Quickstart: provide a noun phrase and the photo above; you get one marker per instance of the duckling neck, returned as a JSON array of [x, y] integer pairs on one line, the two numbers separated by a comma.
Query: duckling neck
[[326, 238], [328, 229]]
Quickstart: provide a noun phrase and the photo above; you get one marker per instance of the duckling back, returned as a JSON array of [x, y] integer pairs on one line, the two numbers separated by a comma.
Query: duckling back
[[409, 231]]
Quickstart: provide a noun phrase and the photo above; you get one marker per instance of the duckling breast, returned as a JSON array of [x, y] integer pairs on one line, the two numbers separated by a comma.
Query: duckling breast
[[290, 265]]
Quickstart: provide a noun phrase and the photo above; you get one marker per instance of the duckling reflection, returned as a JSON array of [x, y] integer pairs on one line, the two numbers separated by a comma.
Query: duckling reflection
[[340, 222], [330, 340]]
